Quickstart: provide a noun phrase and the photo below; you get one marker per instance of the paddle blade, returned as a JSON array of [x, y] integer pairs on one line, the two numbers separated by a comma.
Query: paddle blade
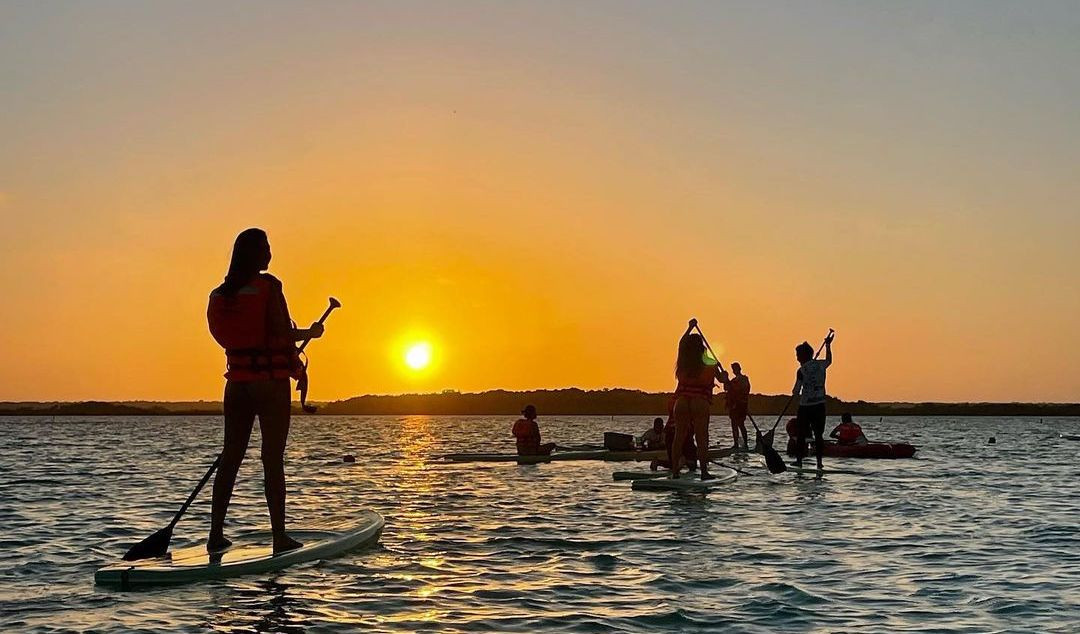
[[154, 546], [773, 461]]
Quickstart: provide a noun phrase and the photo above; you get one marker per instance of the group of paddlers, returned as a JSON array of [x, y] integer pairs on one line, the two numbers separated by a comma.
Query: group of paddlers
[[685, 434]]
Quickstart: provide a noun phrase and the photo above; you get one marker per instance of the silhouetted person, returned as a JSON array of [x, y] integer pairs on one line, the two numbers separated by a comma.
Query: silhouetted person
[[689, 449], [810, 388], [248, 317], [527, 433], [848, 432], [697, 373], [654, 437], [738, 404]]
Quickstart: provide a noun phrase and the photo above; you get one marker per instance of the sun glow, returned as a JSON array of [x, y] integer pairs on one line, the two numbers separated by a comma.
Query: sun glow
[[418, 355]]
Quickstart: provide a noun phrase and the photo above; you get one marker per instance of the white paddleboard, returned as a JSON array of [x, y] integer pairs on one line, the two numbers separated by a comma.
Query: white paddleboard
[[1070, 436], [249, 554], [688, 482], [639, 475]]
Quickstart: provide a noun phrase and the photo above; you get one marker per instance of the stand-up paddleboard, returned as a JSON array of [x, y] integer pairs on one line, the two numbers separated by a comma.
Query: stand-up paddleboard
[[559, 456], [688, 482], [815, 471], [249, 554], [1070, 436], [639, 475]]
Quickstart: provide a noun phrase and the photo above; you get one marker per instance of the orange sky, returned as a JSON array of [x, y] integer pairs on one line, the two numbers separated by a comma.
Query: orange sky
[[546, 192]]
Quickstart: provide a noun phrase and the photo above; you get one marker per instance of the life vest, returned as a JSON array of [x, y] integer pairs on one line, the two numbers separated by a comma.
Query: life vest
[[700, 386], [240, 324], [527, 433], [848, 433]]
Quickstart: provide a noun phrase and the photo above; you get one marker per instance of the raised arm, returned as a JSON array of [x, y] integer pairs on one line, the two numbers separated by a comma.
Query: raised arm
[[828, 349]]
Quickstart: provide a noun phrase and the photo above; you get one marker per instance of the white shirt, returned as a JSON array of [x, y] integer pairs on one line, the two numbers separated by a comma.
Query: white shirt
[[810, 382]]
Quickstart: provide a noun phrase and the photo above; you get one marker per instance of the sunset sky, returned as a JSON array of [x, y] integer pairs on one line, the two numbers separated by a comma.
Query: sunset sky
[[545, 192]]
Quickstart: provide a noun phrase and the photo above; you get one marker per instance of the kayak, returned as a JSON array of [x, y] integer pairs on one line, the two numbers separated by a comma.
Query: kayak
[[870, 450], [250, 553], [688, 482], [605, 455]]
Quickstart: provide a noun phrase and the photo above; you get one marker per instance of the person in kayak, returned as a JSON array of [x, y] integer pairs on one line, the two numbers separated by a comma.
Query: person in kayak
[[737, 389], [248, 316], [848, 432], [810, 388], [697, 373], [654, 437], [527, 433]]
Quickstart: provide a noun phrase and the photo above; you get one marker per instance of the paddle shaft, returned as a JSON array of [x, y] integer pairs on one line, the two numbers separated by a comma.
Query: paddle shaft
[[194, 493], [329, 309]]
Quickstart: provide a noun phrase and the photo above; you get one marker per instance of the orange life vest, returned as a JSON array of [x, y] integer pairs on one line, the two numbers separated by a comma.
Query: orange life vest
[[848, 433], [700, 386], [240, 323], [527, 433]]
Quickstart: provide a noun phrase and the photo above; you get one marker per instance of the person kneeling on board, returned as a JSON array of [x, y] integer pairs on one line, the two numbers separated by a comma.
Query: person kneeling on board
[[654, 438], [527, 433], [848, 432], [689, 449]]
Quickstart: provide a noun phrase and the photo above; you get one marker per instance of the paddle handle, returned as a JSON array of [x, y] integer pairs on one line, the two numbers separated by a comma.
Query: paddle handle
[[326, 313], [194, 493], [706, 342]]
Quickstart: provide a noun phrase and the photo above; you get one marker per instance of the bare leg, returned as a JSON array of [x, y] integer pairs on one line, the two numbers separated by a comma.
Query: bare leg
[[274, 419], [683, 423], [700, 411], [239, 418]]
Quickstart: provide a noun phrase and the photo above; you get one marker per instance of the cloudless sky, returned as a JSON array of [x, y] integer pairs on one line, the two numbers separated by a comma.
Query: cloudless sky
[[546, 191]]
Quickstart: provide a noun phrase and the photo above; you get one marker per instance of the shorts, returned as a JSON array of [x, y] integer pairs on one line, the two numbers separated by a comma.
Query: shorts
[[812, 419]]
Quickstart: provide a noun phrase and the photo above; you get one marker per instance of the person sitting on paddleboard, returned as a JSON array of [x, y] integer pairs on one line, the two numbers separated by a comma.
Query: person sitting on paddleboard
[[848, 432], [654, 437], [737, 389], [697, 373], [810, 388], [248, 317], [527, 433]]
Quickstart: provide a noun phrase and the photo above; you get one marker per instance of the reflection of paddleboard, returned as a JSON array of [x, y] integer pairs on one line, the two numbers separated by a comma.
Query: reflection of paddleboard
[[249, 554], [1070, 436], [688, 482], [814, 471]]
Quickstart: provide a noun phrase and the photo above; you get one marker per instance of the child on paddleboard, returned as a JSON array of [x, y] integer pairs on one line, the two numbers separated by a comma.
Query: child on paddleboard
[[810, 388]]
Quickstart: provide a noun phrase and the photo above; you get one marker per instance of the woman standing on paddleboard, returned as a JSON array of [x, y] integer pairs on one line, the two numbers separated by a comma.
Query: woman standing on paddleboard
[[697, 373], [248, 317]]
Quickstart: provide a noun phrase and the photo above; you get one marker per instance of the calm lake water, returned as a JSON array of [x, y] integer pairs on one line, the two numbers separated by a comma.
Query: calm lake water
[[966, 537]]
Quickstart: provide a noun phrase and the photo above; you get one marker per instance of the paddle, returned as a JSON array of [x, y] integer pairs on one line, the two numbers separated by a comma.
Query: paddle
[[302, 382], [157, 544], [773, 461], [727, 466]]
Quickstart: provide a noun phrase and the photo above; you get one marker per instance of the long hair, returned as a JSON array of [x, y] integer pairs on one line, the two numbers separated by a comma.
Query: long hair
[[247, 259], [691, 359]]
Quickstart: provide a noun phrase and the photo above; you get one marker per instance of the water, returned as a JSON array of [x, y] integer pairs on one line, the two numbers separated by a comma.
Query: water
[[968, 537]]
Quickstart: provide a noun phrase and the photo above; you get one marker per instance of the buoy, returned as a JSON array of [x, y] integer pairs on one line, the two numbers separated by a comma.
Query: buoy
[[348, 458], [992, 440]]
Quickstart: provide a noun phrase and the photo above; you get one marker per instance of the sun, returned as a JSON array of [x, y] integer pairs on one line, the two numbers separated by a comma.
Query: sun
[[418, 355]]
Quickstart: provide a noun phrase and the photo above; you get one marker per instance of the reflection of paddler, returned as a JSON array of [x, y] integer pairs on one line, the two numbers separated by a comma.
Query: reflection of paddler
[[697, 373], [527, 433]]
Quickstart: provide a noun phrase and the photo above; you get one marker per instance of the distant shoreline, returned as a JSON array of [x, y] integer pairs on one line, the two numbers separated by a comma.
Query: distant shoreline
[[564, 402]]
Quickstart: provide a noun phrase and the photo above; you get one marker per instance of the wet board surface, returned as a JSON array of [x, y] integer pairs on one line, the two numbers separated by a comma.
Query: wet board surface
[[724, 477], [1070, 436], [250, 553]]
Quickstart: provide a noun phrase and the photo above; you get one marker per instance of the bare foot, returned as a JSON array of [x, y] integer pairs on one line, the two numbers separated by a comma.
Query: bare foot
[[217, 544], [285, 543]]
